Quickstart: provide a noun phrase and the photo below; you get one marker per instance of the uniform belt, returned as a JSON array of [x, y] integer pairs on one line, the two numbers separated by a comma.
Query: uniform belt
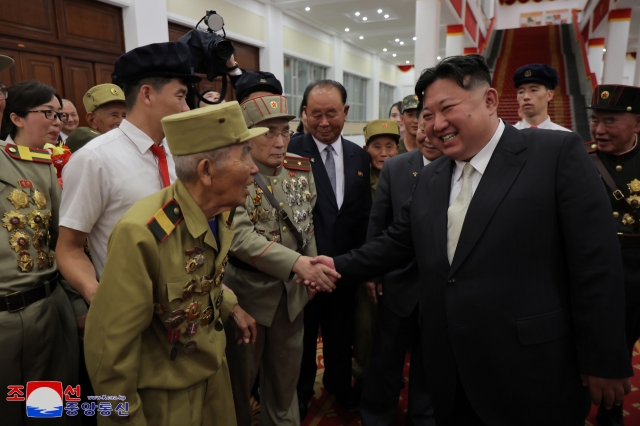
[[17, 301], [241, 265], [629, 240]]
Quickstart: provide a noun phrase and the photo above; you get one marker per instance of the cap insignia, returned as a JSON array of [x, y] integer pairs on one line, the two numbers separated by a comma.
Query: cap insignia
[[604, 95], [274, 104], [262, 80], [384, 125], [527, 73], [114, 92]]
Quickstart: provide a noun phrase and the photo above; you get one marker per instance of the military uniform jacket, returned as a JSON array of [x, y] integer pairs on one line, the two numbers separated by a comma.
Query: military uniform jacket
[[264, 242], [152, 260], [29, 203]]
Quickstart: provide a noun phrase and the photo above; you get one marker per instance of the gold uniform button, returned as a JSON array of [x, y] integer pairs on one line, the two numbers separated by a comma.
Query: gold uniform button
[[594, 146], [176, 211], [12, 149], [629, 108], [275, 181], [281, 204], [618, 168], [284, 229], [616, 214]]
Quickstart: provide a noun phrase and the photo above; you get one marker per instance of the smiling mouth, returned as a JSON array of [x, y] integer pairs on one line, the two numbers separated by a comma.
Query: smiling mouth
[[449, 137]]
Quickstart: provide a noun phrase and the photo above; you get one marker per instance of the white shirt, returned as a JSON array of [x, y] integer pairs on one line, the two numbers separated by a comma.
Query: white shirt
[[546, 124], [104, 179], [63, 136], [479, 163], [425, 161], [338, 159]]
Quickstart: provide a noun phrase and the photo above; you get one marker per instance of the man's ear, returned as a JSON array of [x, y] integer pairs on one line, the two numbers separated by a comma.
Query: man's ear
[[206, 172], [550, 95], [366, 148], [636, 129], [145, 94], [91, 120], [346, 111], [491, 100]]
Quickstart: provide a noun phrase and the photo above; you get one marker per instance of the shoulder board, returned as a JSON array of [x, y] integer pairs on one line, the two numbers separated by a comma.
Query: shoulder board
[[297, 163], [19, 152], [591, 147], [165, 220]]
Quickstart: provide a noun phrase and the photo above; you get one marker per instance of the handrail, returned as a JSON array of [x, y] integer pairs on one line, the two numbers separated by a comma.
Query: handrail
[[585, 61], [487, 37]]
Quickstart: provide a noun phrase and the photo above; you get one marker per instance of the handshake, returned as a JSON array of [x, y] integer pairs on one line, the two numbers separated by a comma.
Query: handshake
[[317, 273]]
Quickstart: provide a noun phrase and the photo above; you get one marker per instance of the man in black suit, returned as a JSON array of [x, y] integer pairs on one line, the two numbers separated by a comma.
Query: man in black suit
[[341, 171], [521, 288], [397, 296]]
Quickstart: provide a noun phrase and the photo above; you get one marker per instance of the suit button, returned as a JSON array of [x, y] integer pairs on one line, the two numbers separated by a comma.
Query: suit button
[[452, 280]]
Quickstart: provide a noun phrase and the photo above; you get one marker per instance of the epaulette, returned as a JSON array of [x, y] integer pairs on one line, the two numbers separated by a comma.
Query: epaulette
[[591, 147], [297, 163], [24, 153], [165, 220]]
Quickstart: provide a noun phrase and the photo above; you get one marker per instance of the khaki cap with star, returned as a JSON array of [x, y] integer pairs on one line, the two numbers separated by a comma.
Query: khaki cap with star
[[381, 127], [100, 95], [263, 108]]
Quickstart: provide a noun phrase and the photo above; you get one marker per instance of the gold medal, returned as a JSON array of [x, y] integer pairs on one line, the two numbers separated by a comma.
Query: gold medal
[[193, 311], [207, 316], [257, 200], [42, 259], [628, 220], [39, 199], [39, 239], [36, 219], [219, 299], [205, 285], [191, 266], [52, 258], [634, 200], [19, 199], [19, 241], [14, 220], [634, 186], [25, 262], [187, 291]]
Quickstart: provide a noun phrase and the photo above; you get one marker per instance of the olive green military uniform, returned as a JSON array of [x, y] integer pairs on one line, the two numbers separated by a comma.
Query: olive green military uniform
[[80, 137], [263, 253], [39, 341], [401, 147]]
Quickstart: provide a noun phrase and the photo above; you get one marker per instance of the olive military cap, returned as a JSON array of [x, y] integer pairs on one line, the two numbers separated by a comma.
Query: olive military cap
[[79, 138], [100, 95], [208, 128], [381, 127], [263, 108], [5, 62], [410, 102], [616, 97]]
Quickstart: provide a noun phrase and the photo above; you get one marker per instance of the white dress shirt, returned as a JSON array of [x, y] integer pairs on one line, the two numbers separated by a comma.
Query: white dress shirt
[[63, 136], [104, 179], [425, 161], [546, 124], [338, 159], [479, 163]]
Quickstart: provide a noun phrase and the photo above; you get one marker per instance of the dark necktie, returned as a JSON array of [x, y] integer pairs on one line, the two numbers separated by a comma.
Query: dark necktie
[[158, 151], [213, 224], [330, 166]]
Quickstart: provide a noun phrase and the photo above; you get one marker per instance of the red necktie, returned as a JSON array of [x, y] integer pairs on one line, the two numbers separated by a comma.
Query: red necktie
[[162, 162]]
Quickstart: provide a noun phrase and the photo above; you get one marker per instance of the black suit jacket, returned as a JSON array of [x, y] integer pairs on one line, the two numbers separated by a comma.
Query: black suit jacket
[[339, 230], [395, 186], [534, 295]]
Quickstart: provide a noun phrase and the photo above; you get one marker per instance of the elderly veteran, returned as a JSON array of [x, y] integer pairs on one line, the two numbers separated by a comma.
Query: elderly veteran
[[155, 327], [614, 125], [105, 111], [274, 240]]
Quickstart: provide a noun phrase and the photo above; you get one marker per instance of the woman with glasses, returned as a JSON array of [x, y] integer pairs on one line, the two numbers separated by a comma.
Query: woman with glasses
[[38, 325]]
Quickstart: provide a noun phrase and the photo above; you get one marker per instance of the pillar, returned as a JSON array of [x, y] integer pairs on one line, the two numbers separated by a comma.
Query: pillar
[[595, 53], [145, 22], [455, 40], [336, 71], [272, 55], [427, 43], [373, 90], [616, 45]]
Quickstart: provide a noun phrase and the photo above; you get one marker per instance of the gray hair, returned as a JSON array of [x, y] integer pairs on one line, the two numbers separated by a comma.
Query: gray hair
[[187, 165]]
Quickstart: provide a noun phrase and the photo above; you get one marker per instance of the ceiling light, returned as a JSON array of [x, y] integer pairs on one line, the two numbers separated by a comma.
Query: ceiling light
[[397, 40], [394, 55], [415, 38], [438, 58], [357, 13], [346, 29], [361, 37], [364, 18], [386, 16], [402, 42], [384, 50], [379, 10], [307, 8], [408, 62]]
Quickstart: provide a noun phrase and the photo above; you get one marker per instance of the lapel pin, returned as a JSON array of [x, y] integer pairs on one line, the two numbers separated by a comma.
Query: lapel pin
[[313, 160], [415, 174], [360, 174]]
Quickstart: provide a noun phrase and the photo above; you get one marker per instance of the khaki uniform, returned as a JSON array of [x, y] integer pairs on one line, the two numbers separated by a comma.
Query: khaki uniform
[[39, 341], [152, 262], [265, 251]]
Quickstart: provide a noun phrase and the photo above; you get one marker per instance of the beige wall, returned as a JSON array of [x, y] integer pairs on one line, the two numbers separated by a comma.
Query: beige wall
[[301, 43], [388, 75], [236, 19], [353, 62]]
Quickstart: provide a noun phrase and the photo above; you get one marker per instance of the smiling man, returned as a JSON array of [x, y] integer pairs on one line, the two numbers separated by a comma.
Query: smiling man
[[535, 84], [501, 230]]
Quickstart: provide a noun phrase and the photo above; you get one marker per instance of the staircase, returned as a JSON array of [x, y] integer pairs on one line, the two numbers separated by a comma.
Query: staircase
[[534, 45]]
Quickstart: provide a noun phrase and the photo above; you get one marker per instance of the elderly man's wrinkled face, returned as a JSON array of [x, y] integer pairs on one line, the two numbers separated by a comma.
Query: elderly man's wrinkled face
[[326, 113], [107, 117], [235, 175], [270, 148], [381, 148], [614, 132]]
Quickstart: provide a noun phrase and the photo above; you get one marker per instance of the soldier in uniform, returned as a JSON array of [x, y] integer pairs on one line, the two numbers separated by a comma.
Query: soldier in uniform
[[38, 322], [615, 123], [155, 327], [535, 84], [105, 111], [274, 239], [410, 113]]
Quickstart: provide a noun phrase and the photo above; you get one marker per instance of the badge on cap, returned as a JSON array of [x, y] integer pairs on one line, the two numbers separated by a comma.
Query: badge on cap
[[384, 125], [605, 95], [114, 92], [262, 80], [527, 73], [274, 104]]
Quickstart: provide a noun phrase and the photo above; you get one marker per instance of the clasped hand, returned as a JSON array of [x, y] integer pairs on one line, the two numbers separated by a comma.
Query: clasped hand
[[316, 273], [608, 392]]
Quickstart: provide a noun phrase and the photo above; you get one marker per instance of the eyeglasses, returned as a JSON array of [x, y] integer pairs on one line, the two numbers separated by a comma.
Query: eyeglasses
[[272, 134], [4, 93], [50, 114]]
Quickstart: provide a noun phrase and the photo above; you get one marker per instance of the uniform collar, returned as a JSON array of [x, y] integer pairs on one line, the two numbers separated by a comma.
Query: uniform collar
[[266, 170]]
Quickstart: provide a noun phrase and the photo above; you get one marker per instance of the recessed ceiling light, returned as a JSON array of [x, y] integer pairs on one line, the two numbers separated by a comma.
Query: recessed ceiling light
[[397, 40], [438, 58], [307, 8], [394, 55], [346, 29], [361, 37], [357, 13], [415, 38], [402, 42], [408, 62], [364, 18], [384, 50], [386, 16], [379, 10]]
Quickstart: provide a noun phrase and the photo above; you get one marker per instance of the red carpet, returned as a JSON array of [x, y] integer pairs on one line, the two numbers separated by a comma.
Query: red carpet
[[324, 412]]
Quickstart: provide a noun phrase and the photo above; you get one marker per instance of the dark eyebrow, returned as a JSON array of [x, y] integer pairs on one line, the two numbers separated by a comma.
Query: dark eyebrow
[[445, 100]]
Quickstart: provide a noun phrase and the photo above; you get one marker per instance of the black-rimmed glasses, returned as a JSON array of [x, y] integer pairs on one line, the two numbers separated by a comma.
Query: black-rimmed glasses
[[4, 93], [50, 114]]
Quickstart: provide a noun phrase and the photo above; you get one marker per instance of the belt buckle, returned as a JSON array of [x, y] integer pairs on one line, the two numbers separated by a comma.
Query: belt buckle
[[9, 308], [618, 195], [283, 214]]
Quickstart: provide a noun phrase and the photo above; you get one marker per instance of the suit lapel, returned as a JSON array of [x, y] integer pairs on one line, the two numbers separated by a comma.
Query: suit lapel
[[501, 172], [350, 171], [440, 187], [323, 184]]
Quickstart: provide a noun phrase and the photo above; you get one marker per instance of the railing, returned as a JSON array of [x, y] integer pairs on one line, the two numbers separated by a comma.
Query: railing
[[585, 59], [487, 38]]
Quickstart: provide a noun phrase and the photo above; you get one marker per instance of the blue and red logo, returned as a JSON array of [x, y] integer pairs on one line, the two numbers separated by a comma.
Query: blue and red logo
[[44, 399]]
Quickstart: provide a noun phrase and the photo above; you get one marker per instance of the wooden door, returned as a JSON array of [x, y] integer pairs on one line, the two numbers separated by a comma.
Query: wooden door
[[46, 69], [103, 72], [78, 76], [12, 75]]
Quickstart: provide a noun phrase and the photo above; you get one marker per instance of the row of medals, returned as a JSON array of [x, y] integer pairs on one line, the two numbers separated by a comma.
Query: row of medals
[[37, 219], [194, 316], [633, 200], [297, 192]]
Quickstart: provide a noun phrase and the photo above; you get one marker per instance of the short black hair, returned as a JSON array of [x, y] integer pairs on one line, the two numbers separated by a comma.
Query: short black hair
[[468, 71], [132, 88], [21, 98], [332, 83], [397, 105]]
